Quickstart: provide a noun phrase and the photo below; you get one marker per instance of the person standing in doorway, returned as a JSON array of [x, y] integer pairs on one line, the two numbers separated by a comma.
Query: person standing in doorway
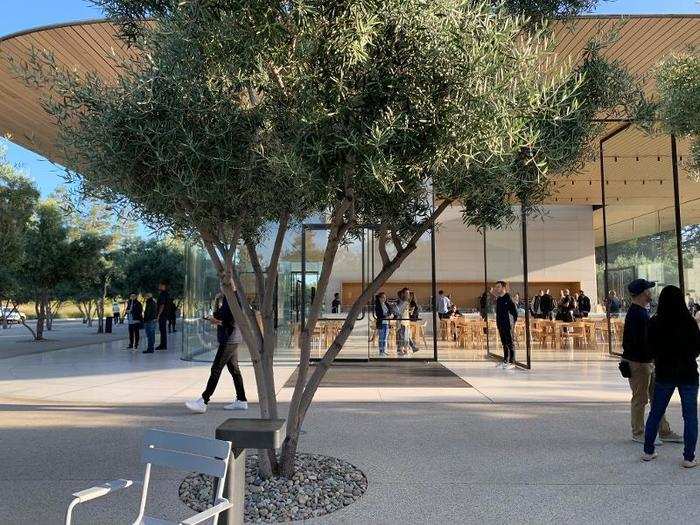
[[335, 303], [674, 343], [229, 337], [163, 305], [382, 314], [506, 317], [134, 318], [150, 312], [636, 352], [443, 305]]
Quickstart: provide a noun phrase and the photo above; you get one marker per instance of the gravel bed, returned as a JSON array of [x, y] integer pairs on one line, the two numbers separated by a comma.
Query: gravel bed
[[320, 485]]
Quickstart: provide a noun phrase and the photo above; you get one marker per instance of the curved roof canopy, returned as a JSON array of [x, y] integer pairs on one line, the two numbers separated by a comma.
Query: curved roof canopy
[[638, 167]]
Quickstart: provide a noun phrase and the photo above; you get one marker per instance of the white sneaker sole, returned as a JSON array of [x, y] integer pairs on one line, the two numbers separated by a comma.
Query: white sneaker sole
[[195, 409], [231, 407]]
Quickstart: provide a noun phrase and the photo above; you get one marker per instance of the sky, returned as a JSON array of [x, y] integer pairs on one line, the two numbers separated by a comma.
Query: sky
[[18, 15]]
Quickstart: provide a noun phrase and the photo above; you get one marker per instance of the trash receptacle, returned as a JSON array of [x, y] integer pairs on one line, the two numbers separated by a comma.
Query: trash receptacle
[[108, 325]]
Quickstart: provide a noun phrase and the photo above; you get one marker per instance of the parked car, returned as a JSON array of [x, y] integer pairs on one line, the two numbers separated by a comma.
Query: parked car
[[13, 316]]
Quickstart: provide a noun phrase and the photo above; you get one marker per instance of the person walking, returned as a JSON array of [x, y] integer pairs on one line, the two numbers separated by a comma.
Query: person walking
[[150, 313], [637, 355], [674, 343], [229, 337], [506, 317], [134, 318], [382, 314], [162, 316]]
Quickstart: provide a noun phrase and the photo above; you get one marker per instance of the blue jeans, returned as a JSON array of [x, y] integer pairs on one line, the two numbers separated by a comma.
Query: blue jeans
[[689, 407], [150, 327], [383, 333]]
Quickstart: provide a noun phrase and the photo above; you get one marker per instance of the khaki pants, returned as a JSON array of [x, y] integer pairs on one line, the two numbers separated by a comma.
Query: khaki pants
[[642, 385]]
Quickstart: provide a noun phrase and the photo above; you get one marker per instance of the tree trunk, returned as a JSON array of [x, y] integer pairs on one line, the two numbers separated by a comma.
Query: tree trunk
[[5, 313], [49, 316], [40, 308], [304, 391]]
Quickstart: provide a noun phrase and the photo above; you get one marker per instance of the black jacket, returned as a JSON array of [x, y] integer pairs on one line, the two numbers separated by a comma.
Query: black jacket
[[536, 304], [505, 308], [379, 313], [546, 303], [151, 311], [584, 303], [634, 337], [136, 309], [224, 314], [675, 351]]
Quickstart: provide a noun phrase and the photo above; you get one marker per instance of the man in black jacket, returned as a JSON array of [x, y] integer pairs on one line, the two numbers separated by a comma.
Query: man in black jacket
[[637, 353], [547, 305], [162, 315], [506, 317]]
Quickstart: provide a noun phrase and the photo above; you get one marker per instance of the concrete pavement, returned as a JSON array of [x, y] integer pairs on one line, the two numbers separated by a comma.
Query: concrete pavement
[[546, 446]]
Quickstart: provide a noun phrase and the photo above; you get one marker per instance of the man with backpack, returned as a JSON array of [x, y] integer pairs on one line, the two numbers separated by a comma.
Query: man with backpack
[[229, 337]]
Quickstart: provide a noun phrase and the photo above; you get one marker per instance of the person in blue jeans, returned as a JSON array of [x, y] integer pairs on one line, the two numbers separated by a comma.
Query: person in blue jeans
[[674, 342], [150, 312], [382, 313]]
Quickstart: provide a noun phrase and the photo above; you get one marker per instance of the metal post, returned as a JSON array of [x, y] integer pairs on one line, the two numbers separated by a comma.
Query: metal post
[[607, 137], [234, 488], [677, 206], [523, 229], [433, 284]]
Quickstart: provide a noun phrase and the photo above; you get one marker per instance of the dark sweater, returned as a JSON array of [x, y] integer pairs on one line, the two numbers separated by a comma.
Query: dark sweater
[[634, 337], [151, 311], [505, 308], [675, 351]]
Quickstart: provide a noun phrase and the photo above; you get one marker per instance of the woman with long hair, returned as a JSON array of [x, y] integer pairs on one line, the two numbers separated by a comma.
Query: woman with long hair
[[674, 341]]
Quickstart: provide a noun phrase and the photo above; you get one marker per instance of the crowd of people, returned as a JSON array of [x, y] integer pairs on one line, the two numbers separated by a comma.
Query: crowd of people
[[568, 308], [403, 309], [148, 315]]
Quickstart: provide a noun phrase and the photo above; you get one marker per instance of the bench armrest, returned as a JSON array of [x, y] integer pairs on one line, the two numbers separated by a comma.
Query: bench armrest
[[221, 505], [101, 490]]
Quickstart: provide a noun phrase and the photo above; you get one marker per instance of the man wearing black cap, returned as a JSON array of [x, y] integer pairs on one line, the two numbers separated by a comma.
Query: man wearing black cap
[[637, 353]]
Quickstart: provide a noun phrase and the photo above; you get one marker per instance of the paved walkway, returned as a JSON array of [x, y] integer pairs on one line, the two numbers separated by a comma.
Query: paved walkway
[[547, 446], [16, 340]]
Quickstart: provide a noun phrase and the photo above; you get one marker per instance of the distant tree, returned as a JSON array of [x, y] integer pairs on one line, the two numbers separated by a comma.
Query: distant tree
[[47, 259], [144, 263], [18, 200]]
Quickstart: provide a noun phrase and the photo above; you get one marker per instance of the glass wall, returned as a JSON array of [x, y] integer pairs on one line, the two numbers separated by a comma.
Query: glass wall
[[640, 225], [459, 267]]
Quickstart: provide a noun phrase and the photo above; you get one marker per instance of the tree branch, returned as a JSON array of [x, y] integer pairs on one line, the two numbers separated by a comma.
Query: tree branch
[[396, 241], [273, 268]]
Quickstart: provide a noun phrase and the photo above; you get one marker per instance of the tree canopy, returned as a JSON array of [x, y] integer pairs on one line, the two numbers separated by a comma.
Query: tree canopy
[[231, 116]]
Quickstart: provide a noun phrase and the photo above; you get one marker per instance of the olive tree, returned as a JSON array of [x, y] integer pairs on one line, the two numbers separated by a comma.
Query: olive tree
[[234, 118], [676, 109]]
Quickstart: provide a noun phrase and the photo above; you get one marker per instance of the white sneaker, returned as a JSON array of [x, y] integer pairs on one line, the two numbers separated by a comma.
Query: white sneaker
[[237, 405], [501, 365], [510, 366], [689, 464], [649, 457], [198, 406]]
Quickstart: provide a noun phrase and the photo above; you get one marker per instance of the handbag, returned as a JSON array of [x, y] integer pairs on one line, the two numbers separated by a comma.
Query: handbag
[[625, 369]]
